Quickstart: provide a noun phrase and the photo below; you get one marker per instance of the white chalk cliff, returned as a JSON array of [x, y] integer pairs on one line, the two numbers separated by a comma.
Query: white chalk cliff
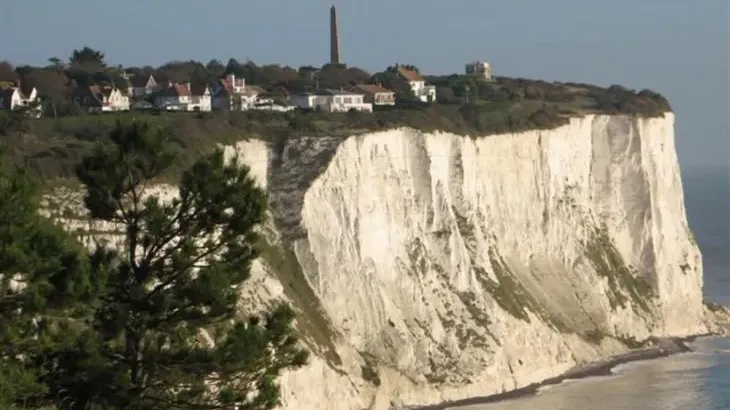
[[429, 266]]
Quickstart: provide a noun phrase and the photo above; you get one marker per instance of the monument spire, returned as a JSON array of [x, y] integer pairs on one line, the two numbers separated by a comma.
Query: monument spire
[[334, 37]]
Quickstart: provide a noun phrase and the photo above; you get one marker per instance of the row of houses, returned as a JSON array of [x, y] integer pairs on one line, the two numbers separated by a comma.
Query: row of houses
[[231, 93], [363, 97], [227, 93]]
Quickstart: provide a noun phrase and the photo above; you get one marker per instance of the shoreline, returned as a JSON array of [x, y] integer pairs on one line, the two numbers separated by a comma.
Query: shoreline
[[662, 347]]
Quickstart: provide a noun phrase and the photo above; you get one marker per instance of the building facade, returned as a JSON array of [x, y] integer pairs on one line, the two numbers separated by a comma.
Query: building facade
[[376, 94], [141, 86], [481, 69], [425, 93], [232, 93], [97, 98], [332, 101], [12, 98], [184, 97]]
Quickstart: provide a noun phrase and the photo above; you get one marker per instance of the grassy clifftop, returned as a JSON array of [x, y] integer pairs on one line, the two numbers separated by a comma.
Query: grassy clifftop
[[50, 147]]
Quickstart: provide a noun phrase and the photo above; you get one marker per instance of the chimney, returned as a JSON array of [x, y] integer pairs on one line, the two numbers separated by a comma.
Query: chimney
[[188, 85]]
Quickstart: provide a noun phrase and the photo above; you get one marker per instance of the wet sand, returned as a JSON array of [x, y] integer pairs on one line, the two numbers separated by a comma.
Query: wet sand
[[661, 348]]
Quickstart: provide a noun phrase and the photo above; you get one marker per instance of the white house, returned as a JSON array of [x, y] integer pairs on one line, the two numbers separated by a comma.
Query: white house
[[376, 94], [481, 69], [95, 98], [184, 97], [12, 98], [201, 98], [332, 101], [425, 93], [141, 86], [232, 93]]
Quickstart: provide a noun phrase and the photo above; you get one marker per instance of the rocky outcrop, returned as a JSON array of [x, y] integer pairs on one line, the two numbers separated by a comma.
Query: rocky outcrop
[[431, 266]]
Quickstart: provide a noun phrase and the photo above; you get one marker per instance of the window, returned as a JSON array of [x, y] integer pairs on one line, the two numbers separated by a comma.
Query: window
[[86, 100]]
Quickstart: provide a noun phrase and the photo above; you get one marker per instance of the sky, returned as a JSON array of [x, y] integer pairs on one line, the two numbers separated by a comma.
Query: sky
[[679, 48]]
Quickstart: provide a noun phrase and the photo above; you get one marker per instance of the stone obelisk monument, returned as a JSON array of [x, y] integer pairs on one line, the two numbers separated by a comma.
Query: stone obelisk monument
[[334, 38]]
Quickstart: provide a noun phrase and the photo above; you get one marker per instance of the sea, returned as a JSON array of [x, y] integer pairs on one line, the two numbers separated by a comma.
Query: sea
[[697, 380]]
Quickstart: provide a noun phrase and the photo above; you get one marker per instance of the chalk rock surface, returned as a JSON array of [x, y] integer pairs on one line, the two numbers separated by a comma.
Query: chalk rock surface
[[429, 266]]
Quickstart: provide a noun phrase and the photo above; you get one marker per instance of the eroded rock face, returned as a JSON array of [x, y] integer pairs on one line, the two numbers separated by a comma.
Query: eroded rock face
[[431, 267]]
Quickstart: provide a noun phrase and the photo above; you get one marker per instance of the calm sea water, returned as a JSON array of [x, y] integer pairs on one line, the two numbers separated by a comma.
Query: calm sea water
[[699, 380]]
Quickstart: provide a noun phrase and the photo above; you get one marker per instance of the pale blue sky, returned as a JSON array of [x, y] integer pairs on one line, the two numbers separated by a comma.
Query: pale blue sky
[[676, 47]]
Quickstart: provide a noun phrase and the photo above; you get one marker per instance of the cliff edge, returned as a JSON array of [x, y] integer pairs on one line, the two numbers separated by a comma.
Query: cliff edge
[[430, 266]]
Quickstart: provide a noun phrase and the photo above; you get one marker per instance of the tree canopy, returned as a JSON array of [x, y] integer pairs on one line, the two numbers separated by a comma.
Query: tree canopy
[[141, 339], [87, 57], [45, 285]]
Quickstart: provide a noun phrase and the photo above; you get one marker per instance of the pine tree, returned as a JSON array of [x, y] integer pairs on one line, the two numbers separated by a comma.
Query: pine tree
[[44, 290], [180, 273]]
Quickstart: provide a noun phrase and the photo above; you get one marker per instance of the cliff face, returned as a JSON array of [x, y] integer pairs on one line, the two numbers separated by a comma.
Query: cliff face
[[431, 267]]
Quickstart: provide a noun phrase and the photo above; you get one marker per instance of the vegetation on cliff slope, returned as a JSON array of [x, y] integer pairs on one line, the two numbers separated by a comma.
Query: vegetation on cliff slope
[[138, 341]]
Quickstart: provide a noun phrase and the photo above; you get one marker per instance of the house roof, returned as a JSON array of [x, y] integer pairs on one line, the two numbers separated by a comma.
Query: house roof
[[248, 90], [11, 90], [8, 84], [373, 88], [139, 81], [198, 89], [226, 85], [255, 90], [175, 90], [331, 91], [98, 91], [409, 75]]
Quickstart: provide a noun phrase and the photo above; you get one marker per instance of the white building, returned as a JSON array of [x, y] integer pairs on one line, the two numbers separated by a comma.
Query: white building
[[480, 68], [184, 97], [97, 98], [332, 101], [425, 93], [12, 98], [140, 86], [231, 93], [376, 94]]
